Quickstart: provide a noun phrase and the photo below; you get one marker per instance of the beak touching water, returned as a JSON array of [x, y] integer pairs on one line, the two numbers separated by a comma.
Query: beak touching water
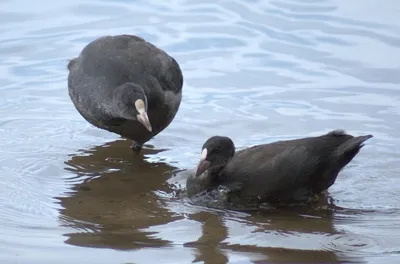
[[203, 164]]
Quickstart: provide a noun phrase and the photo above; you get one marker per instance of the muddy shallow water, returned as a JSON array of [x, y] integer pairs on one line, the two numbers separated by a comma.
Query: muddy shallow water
[[256, 71]]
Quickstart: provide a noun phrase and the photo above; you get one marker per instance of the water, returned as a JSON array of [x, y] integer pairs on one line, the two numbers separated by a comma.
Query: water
[[256, 71]]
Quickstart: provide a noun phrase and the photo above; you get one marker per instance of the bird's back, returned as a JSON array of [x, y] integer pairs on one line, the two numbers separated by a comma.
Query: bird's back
[[291, 169], [115, 60]]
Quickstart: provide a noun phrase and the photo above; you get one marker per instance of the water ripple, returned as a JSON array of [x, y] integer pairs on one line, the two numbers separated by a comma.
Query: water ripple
[[257, 71]]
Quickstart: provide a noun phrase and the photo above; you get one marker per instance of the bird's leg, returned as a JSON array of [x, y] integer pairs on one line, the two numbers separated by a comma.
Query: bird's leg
[[136, 147]]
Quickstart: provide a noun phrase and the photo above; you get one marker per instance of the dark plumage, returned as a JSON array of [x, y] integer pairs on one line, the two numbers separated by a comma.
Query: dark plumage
[[127, 86], [281, 172]]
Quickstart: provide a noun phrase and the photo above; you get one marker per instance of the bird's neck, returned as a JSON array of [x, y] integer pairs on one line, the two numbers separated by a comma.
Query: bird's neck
[[155, 94], [214, 172]]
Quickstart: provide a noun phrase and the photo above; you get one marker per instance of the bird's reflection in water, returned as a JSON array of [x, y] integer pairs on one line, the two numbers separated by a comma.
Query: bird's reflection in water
[[118, 194], [122, 201], [291, 234]]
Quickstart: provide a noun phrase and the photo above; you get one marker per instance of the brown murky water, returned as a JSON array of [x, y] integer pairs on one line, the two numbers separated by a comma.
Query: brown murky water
[[257, 71]]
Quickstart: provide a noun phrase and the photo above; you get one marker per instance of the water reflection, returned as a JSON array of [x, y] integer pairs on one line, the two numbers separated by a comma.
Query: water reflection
[[117, 197], [254, 69], [278, 235], [121, 200]]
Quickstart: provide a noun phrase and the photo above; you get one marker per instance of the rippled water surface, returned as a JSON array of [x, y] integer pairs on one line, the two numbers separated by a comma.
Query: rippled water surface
[[256, 71]]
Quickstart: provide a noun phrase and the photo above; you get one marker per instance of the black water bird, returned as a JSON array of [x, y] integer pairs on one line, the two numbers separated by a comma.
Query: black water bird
[[288, 171], [126, 85]]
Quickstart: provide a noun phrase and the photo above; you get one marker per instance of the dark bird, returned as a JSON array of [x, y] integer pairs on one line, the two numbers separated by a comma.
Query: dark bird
[[288, 171], [127, 86]]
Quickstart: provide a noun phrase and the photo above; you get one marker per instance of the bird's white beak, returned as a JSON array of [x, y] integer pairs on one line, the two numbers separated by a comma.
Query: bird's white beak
[[144, 119], [203, 164], [142, 116]]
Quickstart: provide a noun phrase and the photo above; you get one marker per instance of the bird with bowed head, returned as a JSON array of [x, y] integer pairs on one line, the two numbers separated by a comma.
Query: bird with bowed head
[[288, 171], [126, 85]]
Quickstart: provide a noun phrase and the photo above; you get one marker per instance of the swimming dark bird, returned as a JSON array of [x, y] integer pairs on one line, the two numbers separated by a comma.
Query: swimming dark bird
[[127, 86], [288, 171]]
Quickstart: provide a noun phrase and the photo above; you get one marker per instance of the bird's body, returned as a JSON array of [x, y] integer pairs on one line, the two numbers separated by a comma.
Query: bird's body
[[112, 73], [280, 172]]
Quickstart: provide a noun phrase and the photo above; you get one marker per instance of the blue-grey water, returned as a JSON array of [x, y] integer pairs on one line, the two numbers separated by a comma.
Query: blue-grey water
[[257, 71]]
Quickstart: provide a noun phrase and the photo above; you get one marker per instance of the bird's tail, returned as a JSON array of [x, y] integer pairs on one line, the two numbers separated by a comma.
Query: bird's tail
[[349, 149]]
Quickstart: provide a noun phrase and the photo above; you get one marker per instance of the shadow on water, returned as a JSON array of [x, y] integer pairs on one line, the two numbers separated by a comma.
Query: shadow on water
[[120, 200]]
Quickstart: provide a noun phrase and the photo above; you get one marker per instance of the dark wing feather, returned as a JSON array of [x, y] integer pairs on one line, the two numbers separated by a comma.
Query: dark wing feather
[[290, 169], [126, 58], [271, 175]]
